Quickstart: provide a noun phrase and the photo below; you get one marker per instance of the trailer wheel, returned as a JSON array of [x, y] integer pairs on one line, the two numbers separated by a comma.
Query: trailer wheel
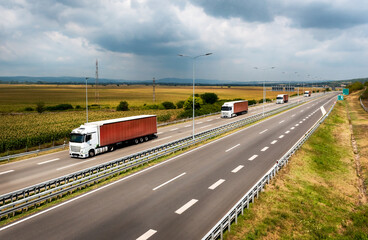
[[136, 141], [146, 138], [112, 148], [91, 153], [141, 140]]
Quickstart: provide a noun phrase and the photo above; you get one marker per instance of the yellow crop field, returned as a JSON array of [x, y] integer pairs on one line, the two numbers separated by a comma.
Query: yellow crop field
[[18, 97], [19, 129]]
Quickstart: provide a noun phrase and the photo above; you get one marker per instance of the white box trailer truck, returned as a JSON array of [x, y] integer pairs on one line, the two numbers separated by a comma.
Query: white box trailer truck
[[282, 98], [102, 136], [232, 109]]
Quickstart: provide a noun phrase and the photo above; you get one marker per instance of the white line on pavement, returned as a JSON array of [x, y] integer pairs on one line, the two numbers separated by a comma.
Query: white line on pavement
[[281, 136], [187, 125], [199, 122], [9, 171], [235, 170], [162, 138], [174, 129], [75, 164], [186, 206], [323, 110], [169, 181], [264, 149], [282, 121], [206, 126], [147, 235], [159, 132], [296, 125], [293, 115], [253, 157], [287, 132], [52, 160], [274, 141], [292, 128], [263, 131], [237, 145], [216, 184], [209, 120]]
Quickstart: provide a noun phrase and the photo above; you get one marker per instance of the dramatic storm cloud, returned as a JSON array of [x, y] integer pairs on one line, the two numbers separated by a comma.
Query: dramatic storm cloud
[[140, 39]]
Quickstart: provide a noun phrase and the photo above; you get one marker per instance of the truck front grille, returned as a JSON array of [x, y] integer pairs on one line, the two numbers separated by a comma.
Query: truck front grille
[[75, 148]]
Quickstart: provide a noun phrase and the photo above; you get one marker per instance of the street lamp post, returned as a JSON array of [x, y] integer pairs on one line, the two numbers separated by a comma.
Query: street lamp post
[[86, 100], [264, 92], [193, 63]]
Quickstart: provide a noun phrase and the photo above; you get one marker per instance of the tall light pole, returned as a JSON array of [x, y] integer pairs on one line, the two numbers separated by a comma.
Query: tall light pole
[[264, 92], [193, 60], [86, 100]]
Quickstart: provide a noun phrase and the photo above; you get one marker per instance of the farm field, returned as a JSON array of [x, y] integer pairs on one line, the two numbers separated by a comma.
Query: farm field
[[15, 98], [20, 129]]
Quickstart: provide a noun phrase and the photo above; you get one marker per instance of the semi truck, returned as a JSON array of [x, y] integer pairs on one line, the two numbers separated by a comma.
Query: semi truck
[[232, 109], [102, 136], [307, 93], [282, 98]]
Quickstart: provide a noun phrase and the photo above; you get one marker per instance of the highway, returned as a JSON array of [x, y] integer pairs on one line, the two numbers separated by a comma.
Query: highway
[[181, 198], [17, 175]]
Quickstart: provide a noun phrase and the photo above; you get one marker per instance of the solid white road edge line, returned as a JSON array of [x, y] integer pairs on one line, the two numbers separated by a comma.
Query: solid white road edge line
[[169, 181], [156, 140], [216, 184], [186, 206], [9, 171], [237, 145], [58, 169], [52, 160], [147, 235], [235, 170]]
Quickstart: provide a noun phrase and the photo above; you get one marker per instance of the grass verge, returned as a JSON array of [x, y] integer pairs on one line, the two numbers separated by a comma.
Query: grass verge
[[315, 196]]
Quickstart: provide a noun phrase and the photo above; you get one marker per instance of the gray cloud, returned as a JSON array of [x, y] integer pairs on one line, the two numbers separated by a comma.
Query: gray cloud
[[325, 16], [249, 10]]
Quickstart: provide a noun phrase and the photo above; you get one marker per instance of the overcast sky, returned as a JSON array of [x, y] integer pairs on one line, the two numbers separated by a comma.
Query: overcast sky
[[141, 39]]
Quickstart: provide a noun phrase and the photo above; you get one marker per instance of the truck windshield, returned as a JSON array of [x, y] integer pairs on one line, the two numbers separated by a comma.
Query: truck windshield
[[279, 98], [225, 108], [77, 138]]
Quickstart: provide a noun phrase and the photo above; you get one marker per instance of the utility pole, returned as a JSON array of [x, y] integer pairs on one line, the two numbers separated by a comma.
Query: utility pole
[[96, 84], [154, 95]]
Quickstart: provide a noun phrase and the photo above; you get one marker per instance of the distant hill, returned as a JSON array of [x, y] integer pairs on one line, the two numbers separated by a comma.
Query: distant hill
[[162, 81]]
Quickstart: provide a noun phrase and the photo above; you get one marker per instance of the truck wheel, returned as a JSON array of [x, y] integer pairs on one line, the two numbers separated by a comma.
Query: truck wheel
[[146, 138], [91, 153], [141, 140], [112, 148], [136, 141]]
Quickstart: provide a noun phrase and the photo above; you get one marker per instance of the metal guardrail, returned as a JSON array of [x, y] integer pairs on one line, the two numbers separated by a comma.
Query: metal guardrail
[[364, 107], [8, 157], [24, 198], [232, 215]]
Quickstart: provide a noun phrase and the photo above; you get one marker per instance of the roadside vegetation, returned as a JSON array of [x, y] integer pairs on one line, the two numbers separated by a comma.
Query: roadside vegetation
[[317, 195]]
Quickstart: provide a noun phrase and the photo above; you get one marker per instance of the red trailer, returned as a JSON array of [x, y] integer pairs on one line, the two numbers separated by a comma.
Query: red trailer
[[97, 137]]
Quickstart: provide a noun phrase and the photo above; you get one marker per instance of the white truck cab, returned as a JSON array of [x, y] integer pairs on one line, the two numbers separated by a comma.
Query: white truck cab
[[84, 142]]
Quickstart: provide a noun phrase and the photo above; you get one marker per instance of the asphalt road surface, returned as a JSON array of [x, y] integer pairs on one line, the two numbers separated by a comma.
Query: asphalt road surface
[[181, 198], [17, 175]]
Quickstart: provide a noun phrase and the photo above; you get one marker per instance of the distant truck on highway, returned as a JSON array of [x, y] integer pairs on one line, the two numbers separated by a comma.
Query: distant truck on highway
[[282, 98], [232, 109], [102, 136], [307, 93]]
